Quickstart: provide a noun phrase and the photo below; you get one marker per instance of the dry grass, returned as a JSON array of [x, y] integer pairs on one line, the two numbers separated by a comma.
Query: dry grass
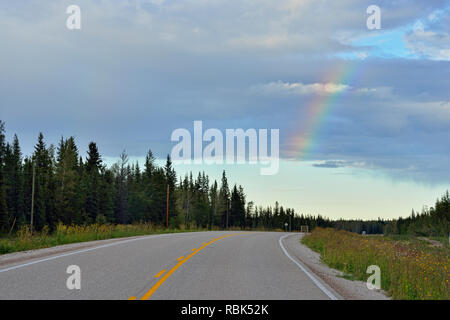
[[410, 269], [64, 234]]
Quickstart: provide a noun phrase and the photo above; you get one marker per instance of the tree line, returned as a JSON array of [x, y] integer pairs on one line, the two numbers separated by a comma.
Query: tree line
[[434, 221], [73, 189]]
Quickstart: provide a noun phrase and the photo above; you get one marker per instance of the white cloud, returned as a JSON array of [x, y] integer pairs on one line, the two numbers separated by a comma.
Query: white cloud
[[431, 39], [378, 92], [299, 88], [433, 45]]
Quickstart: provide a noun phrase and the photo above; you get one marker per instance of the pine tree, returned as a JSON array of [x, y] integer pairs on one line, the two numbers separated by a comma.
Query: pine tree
[[234, 207], [93, 168], [93, 160], [249, 218], [171, 180], [107, 193], [51, 215], [4, 217], [241, 212], [237, 207], [137, 199], [148, 187], [68, 188], [214, 199], [42, 163], [159, 195], [224, 201], [149, 165], [121, 202], [14, 183]]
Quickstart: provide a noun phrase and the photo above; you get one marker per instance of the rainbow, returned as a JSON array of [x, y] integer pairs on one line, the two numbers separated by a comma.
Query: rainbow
[[318, 110]]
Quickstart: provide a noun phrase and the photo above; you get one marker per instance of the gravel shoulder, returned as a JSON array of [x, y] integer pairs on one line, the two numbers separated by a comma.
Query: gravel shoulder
[[347, 289]]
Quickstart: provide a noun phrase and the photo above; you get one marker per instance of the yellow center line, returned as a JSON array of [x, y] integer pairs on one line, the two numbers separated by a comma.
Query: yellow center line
[[132, 298], [159, 274], [179, 264], [180, 258], [194, 249]]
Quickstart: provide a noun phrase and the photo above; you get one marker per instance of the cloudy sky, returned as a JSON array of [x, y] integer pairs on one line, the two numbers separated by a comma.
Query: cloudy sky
[[364, 115]]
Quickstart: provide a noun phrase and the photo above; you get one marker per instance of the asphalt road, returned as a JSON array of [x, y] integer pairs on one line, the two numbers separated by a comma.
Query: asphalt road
[[200, 265]]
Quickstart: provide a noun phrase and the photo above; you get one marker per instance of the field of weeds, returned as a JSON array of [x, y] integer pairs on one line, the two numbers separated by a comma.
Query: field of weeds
[[24, 240], [410, 268]]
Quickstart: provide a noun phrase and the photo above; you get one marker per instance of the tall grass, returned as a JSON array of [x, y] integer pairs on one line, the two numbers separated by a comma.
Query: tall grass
[[63, 234], [409, 269]]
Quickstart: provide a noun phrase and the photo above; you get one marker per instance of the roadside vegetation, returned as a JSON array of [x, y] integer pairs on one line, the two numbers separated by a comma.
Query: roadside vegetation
[[411, 268], [63, 234], [24, 240]]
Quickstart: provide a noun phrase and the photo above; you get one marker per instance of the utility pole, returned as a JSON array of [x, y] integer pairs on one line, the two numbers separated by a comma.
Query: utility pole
[[167, 212], [32, 196]]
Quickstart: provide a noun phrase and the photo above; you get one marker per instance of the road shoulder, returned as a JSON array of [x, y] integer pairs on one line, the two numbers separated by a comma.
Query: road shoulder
[[346, 289], [29, 255]]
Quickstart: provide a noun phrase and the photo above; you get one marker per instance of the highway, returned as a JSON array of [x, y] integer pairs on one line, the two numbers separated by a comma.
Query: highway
[[223, 265]]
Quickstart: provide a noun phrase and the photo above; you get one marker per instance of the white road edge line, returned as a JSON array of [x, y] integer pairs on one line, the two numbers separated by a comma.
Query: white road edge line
[[317, 282], [80, 251]]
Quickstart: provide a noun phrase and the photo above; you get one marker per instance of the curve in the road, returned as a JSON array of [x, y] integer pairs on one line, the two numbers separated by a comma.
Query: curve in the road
[[309, 274]]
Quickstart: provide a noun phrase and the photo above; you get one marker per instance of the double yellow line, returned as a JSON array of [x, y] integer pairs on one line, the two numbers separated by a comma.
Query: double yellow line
[[179, 264]]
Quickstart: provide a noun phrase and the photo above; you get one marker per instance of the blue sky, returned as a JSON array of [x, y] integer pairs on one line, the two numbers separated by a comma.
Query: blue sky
[[137, 70]]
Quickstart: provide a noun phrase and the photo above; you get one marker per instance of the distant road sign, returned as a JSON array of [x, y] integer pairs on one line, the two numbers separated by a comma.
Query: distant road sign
[[304, 229]]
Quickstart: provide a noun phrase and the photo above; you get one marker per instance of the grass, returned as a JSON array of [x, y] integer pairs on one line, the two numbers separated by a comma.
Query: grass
[[64, 234], [410, 268], [24, 240]]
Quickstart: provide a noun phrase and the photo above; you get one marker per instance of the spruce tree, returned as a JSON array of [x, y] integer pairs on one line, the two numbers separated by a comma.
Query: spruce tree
[[214, 200], [92, 182], [224, 201], [121, 210], [42, 163], [14, 183], [4, 217], [171, 180], [68, 182]]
